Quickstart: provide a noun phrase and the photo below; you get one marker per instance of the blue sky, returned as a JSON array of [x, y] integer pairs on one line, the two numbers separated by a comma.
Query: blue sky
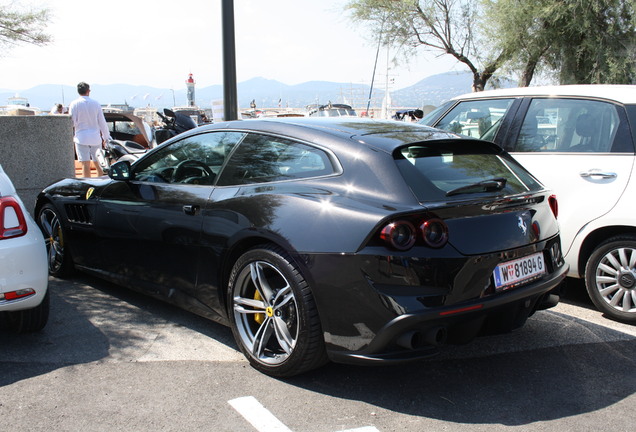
[[159, 42]]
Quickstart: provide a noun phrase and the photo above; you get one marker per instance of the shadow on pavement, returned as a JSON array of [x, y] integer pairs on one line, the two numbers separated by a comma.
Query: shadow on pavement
[[500, 379], [555, 367], [68, 338], [92, 320]]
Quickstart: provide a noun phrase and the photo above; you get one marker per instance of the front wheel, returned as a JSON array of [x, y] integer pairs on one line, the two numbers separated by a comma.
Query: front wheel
[[274, 318], [610, 278], [59, 257]]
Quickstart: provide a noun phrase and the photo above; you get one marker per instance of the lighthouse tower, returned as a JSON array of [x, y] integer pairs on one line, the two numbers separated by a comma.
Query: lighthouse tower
[[190, 85]]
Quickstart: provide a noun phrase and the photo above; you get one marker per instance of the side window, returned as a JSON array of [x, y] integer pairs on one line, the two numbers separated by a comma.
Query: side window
[[477, 119], [263, 158], [196, 159], [572, 125]]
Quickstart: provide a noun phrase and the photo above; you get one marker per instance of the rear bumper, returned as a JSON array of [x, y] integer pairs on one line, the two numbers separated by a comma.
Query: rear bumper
[[415, 336], [23, 266]]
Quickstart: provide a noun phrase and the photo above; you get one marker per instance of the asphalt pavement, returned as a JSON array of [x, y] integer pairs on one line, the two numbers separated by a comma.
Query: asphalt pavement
[[114, 360]]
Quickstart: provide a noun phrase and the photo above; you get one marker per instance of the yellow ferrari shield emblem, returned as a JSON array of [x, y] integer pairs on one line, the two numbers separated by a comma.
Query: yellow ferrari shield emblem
[[89, 192]]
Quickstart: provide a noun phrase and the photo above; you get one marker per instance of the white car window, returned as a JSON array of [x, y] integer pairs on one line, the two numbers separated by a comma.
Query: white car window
[[476, 119], [568, 125]]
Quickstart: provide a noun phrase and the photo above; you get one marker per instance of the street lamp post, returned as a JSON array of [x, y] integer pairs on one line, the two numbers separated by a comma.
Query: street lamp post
[[230, 108]]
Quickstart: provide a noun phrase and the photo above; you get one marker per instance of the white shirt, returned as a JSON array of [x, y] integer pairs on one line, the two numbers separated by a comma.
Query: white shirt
[[88, 120]]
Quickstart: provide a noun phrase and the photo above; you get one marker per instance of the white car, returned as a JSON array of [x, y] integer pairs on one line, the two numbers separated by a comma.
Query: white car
[[24, 298], [578, 141]]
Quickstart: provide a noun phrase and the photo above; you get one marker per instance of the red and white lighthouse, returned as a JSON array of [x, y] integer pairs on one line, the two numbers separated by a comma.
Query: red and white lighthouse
[[190, 88]]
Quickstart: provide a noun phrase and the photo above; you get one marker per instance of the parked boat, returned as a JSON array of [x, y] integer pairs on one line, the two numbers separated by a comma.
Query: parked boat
[[18, 105]]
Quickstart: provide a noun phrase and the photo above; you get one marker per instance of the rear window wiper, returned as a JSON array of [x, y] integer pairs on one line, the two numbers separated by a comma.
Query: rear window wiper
[[490, 185]]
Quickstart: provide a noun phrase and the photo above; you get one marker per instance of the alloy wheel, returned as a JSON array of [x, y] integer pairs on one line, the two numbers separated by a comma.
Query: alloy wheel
[[54, 239], [265, 313], [615, 279]]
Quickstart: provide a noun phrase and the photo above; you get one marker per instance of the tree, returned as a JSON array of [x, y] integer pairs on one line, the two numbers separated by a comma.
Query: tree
[[446, 26], [578, 41], [524, 29], [22, 26], [598, 43]]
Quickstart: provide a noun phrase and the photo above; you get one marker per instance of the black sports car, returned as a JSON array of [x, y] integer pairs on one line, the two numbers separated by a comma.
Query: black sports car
[[314, 239]]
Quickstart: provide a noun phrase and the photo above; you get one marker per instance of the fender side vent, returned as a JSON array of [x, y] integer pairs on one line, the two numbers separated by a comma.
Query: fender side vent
[[78, 213]]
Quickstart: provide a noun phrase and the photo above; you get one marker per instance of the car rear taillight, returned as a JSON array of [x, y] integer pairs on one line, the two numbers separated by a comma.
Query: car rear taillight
[[14, 295], [399, 235], [12, 222], [554, 205], [402, 235], [434, 232]]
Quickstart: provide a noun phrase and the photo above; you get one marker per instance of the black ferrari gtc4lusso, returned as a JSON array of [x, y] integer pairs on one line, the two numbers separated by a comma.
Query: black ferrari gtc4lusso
[[338, 239]]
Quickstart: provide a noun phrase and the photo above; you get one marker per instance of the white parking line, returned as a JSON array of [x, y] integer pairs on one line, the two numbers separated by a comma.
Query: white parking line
[[258, 415], [362, 429], [264, 421]]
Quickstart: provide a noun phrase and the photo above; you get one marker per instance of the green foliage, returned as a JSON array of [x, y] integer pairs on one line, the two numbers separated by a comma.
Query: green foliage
[[575, 41], [598, 47], [23, 26]]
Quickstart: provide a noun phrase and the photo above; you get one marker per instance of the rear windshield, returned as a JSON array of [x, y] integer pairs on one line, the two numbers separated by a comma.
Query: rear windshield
[[461, 169]]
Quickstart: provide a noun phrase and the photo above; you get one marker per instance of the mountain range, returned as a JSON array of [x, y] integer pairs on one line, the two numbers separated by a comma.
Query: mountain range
[[265, 93]]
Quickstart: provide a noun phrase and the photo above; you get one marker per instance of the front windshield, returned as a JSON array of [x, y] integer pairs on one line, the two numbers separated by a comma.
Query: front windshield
[[429, 118]]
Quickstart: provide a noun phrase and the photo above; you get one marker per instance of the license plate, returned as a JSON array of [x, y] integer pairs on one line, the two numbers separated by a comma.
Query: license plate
[[513, 272]]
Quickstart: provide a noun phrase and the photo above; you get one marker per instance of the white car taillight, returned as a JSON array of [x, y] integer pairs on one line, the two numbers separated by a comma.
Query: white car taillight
[[12, 221], [554, 205]]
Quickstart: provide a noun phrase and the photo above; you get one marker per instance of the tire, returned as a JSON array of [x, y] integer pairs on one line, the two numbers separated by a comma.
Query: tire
[[273, 314], [59, 257], [29, 320], [610, 278]]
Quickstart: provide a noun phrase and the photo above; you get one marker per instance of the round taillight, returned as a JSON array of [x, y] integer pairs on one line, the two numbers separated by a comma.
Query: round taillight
[[399, 235], [434, 232], [554, 205]]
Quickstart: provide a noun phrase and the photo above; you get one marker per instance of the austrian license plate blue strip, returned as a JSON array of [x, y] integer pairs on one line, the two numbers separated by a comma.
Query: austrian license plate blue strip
[[513, 272]]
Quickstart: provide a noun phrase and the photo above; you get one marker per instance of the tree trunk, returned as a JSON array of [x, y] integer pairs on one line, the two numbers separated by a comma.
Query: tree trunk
[[478, 82], [528, 73]]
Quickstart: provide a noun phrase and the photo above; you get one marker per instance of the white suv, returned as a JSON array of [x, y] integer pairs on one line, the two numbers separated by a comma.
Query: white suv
[[579, 141], [24, 277]]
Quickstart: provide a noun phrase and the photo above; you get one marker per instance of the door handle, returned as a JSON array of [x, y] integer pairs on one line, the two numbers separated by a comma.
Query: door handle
[[190, 209], [601, 174]]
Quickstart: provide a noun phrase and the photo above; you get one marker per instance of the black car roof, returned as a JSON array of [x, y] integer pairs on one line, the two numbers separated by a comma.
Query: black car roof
[[385, 135]]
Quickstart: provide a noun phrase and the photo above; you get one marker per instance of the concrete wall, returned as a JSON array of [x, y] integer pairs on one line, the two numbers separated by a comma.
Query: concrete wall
[[36, 151]]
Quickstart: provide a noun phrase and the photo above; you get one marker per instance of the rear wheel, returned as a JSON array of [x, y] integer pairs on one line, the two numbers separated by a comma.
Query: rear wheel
[[274, 318], [59, 258], [29, 320], [610, 278]]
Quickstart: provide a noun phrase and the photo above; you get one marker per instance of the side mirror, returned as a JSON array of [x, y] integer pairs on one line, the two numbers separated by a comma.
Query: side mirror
[[120, 171]]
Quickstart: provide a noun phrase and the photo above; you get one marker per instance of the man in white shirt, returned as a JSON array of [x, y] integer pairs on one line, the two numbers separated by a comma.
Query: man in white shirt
[[91, 131]]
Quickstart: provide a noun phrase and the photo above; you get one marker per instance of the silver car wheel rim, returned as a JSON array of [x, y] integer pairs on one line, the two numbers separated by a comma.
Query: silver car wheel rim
[[265, 313], [616, 279], [53, 238]]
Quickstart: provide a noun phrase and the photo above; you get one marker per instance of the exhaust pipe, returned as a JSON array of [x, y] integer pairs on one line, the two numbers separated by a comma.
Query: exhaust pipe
[[416, 339]]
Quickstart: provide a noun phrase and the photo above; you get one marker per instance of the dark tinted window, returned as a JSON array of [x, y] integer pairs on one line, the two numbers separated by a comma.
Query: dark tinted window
[[573, 125], [196, 159], [452, 170], [264, 158]]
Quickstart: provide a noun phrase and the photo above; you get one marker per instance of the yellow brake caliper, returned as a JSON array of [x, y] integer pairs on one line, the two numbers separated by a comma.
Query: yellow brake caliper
[[259, 318]]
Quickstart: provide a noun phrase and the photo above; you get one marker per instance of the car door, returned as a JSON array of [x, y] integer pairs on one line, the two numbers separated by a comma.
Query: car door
[[580, 148], [150, 226]]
